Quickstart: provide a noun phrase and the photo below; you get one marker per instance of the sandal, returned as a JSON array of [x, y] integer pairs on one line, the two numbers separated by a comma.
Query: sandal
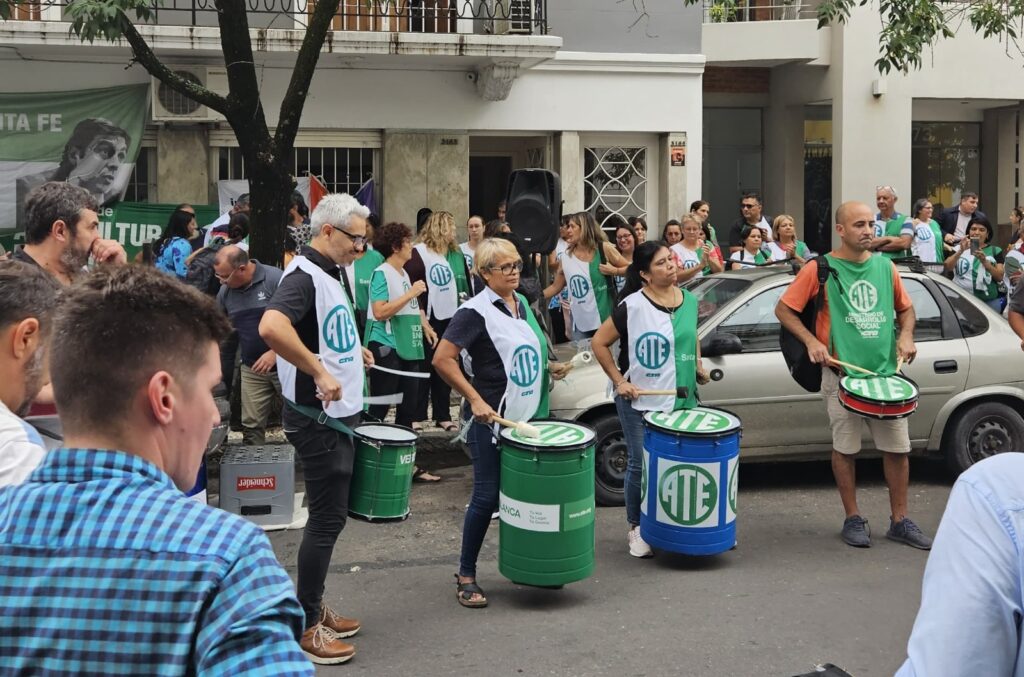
[[448, 426], [423, 476], [465, 591]]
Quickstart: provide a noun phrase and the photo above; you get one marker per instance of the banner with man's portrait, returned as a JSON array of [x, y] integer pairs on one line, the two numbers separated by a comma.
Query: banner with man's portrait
[[86, 137]]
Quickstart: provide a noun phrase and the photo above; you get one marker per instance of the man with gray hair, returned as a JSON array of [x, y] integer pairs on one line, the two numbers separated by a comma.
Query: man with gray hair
[[310, 324], [246, 286], [28, 297], [893, 232], [62, 230]]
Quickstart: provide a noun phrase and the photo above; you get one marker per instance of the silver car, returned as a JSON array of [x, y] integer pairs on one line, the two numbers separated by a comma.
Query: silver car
[[969, 368]]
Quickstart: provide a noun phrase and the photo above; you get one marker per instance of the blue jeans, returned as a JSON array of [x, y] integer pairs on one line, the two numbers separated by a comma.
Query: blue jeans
[[633, 430], [483, 449]]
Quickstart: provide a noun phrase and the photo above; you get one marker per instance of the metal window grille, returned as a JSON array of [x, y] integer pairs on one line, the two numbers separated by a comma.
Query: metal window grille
[[343, 170], [615, 182], [143, 176]]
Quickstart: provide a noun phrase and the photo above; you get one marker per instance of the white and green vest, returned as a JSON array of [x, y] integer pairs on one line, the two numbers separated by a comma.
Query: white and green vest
[[405, 325], [662, 351], [927, 244], [586, 315], [970, 274], [687, 258], [339, 350], [469, 255], [442, 288]]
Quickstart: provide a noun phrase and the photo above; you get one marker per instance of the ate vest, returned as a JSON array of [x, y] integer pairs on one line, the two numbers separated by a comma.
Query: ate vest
[[687, 257], [662, 351], [339, 349], [589, 298], [970, 274], [524, 354], [927, 244], [363, 268], [862, 314], [468, 254], [446, 277], [405, 325]]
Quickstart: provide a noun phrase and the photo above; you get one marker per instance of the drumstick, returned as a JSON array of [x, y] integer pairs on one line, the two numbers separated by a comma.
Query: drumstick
[[899, 364], [524, 429], [682, 392], [852, 366]]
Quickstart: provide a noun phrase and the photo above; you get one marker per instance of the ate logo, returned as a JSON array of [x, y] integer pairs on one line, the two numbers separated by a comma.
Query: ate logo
[[689, 263], [339, 330], [879, 228], [962, 266], [579, 286], [440, 274], [652, 350], [924, 233], [688, 494], [414, 304], [734, 485], [525, 366], [863, 296]]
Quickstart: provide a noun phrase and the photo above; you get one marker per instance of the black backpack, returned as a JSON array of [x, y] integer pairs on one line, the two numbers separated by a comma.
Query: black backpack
[[200, 269], [803, 371]]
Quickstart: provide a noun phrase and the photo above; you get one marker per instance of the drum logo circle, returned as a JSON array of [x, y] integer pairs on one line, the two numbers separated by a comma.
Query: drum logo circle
[[643, 479], [734, 485], [525, 366], [558, 434], [579, 286], [688, 493], [440, 274], [863, 296], [652, 350], [339, 330]]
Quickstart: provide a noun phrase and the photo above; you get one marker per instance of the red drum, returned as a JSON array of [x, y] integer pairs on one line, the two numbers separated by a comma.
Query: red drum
[[882, 397]]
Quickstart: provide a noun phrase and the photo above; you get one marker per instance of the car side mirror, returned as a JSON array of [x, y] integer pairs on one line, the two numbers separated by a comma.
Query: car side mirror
[[720, 343]]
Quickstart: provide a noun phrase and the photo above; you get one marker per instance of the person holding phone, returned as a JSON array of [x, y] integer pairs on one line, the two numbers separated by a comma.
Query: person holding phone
[[978, 266]]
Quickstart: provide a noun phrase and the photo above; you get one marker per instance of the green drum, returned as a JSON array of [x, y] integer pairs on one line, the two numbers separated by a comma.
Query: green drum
[[546, 504], [382, 476]]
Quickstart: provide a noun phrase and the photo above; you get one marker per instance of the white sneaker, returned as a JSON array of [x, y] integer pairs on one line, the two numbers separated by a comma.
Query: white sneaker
[[638, 546]]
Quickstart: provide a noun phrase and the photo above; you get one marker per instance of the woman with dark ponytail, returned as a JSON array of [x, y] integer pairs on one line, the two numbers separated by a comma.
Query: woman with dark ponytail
[[657, 324]]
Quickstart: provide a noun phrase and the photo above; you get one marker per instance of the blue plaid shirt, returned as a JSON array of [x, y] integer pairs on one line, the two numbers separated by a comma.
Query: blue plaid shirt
[[106, 567]]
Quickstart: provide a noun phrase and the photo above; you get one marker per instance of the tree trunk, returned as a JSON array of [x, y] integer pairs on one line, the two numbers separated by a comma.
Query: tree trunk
[[270, 189]]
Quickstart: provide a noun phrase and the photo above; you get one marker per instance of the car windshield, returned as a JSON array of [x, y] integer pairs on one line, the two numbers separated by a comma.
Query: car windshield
[[713, 293]]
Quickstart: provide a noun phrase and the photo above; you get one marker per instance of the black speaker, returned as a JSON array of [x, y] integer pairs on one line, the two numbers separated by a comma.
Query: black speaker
[[534, 208]]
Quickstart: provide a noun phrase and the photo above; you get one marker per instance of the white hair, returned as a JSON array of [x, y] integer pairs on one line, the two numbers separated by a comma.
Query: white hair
[[336, 209]]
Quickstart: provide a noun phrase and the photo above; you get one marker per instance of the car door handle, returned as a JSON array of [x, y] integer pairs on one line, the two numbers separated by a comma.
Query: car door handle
[[945, 367]]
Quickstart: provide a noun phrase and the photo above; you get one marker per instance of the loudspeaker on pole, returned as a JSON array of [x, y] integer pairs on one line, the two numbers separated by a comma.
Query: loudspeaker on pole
[[534, 208]]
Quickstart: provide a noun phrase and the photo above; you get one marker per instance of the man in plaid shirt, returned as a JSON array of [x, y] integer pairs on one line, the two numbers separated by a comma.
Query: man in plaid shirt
[[107, 567]]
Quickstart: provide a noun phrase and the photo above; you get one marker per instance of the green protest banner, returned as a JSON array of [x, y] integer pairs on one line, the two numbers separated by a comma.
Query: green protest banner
[[135, 223], [87, 137]]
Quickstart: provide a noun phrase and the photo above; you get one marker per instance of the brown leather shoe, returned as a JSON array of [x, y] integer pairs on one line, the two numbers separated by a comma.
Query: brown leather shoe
[[323, 648], [342, 627]]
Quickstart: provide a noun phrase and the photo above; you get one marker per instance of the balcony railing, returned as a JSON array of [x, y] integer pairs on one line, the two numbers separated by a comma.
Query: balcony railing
[[730, 11], [500, 17]]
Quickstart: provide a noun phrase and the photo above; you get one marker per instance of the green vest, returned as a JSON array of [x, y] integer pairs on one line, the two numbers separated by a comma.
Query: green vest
[[684, 330], [985, 288], [363, 268], [862, 315], [457, 262], [543, 408], [893, 228], [599, 282]]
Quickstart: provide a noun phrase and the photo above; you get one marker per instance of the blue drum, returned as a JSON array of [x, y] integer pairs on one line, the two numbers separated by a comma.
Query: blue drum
[[689, 483]]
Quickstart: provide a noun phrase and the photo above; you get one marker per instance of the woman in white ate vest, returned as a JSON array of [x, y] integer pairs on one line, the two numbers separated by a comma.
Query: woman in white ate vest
[[589, 261], [510, 375], [657, 323], [438, 262]]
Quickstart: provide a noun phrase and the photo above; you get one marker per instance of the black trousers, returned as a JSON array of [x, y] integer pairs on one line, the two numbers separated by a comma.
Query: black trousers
[[440, 392], [383, 383], [327, 460]]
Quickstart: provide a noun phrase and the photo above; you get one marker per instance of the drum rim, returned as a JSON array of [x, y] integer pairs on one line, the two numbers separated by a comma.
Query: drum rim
[[909, 380], [522, 445], [390, 443], [672, 431], [912, 404]]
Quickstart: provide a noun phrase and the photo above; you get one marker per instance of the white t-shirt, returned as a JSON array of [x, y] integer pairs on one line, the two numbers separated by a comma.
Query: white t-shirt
[[21, 448], [962, 221]]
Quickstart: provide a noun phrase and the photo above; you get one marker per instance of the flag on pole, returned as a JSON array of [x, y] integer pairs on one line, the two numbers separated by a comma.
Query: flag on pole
[[366, 197], [317, 190]]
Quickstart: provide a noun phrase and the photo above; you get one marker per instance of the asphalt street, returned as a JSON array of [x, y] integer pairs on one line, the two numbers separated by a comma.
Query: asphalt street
[[791, 596]]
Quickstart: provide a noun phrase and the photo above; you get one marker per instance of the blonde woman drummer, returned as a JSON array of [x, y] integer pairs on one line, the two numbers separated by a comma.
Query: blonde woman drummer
[[657, 324], [510, 375], [589, 261]]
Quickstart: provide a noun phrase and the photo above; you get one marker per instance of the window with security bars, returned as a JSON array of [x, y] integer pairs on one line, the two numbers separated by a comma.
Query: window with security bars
[[343, 170], [141, 183], [615, 182]]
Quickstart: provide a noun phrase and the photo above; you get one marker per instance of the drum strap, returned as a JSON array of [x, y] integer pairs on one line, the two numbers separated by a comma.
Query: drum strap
[[321, 417]]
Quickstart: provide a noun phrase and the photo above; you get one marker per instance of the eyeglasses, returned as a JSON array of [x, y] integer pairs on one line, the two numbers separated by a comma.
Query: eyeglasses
[[225, 278], [508, 268], [748, 205], [357, 240], [626, 236]]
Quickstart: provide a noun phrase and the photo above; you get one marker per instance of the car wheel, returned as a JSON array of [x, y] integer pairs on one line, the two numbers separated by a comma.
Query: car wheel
[[610, 457], [980, 431]]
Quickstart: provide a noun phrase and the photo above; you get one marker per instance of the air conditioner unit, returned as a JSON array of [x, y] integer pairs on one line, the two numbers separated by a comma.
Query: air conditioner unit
[[512, 17], [169, 105]]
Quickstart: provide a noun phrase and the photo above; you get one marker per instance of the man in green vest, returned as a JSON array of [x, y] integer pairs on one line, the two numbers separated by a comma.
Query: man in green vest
[[893, 235], [864, 301]]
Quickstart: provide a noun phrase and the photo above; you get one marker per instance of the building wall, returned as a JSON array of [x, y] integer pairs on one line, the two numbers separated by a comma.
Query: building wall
[[669, 27]]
